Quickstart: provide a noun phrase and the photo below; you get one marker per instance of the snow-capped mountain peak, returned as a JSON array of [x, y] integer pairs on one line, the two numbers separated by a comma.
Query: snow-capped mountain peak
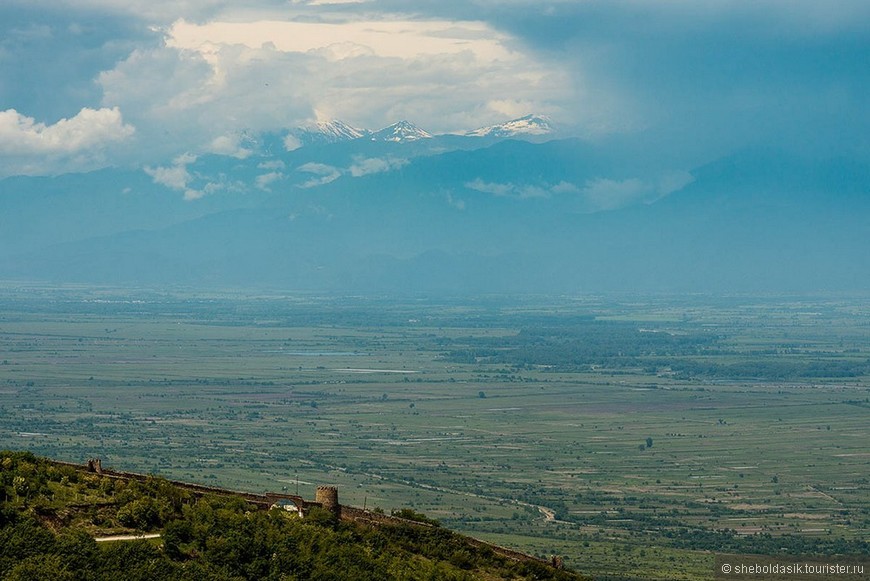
[[329, 132], [399, 132], [528, 125], [339, 130]]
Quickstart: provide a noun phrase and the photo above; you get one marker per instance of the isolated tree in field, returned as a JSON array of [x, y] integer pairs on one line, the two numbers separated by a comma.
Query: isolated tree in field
[[649, 442]]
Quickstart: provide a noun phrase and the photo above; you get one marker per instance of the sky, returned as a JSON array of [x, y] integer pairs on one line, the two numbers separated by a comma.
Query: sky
[[90, 83]]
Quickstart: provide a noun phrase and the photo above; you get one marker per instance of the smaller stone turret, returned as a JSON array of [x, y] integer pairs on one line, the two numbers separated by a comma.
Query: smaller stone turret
[[327, 496]]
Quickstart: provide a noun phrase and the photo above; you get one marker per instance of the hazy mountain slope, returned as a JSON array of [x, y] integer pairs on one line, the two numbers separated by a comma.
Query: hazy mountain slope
[[42, 211], [513, 217]]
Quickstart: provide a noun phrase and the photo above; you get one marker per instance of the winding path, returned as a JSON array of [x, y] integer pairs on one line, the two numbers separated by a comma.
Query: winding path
[[128, 537]]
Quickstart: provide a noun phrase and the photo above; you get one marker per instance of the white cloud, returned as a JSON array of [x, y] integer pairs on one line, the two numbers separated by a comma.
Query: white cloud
[[535, 191], [229, 145], [152, 11], [212, 187], [217, 79], [291, 142], [564, 187], [403, 39], [370, 165], [608, 194], [457, 203], [265, 179], [175, 176], [522, 191], [89, 129], [192, 194], [325, 174], [78, 143], [513, 108], [597, 194], [170, 97], [673, 181], [186, 100], [327, 2], [491, 188]]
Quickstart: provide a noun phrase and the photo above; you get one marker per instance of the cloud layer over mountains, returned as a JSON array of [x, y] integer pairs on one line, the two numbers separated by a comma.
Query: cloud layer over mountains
[[156, 80], [675, 145]]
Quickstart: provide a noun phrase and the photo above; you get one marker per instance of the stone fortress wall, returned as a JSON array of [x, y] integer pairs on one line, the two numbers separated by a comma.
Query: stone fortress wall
[[326, 497]]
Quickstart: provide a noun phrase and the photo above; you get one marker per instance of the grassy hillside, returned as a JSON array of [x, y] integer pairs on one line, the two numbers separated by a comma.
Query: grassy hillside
[[51, 515]]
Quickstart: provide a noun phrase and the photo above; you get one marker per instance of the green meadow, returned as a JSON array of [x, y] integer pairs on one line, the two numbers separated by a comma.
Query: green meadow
[[635, 436]]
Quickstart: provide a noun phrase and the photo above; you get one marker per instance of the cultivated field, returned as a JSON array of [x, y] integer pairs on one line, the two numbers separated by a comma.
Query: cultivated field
[[636, 436]]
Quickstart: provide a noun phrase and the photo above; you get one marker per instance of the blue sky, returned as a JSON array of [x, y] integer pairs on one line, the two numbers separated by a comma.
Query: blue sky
[[89, 83]]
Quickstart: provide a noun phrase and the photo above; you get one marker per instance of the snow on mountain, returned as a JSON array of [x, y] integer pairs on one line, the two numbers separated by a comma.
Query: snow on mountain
[[335, 131], [400, 132], [330, 132], [528, 125], [340, 130]]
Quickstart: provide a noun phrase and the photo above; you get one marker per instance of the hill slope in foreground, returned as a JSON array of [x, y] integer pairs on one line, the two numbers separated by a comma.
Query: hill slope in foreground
[[52, 514]]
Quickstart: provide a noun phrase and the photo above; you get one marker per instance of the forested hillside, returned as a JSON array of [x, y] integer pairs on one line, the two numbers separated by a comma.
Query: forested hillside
[[51, 515]]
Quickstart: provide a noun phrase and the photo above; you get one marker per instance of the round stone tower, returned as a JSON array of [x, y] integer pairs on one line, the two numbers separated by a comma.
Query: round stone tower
[[327, 496]]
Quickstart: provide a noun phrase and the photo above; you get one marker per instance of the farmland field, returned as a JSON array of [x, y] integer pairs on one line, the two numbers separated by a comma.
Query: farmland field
[[636, 436]]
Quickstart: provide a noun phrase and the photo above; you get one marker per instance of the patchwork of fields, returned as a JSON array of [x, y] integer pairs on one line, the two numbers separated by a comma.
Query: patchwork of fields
[[634, 435]]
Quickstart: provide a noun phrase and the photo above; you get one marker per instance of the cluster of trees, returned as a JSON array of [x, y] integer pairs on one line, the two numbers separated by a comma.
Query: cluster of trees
[[772, 368], [579, 345], [727, 541], [616, 345], [213, 537]]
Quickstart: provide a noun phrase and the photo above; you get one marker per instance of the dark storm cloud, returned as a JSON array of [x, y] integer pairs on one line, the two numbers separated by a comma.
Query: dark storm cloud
[[51, 57], [701, 75]]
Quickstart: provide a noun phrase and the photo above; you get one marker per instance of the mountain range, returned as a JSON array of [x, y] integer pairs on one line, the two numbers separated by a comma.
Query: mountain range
[[335, 131], [399, 210]]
